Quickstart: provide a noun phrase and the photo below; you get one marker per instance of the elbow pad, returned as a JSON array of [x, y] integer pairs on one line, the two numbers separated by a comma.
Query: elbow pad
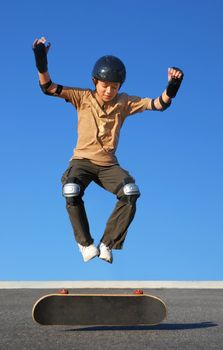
[[163, 104], [45, 87]]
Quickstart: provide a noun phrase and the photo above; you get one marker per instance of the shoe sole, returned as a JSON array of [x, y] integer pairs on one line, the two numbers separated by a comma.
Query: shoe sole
[[107, 260]]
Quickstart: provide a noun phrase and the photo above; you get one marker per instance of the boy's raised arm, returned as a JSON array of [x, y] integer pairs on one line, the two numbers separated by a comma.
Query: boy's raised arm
[[175, 77], [40, 49]]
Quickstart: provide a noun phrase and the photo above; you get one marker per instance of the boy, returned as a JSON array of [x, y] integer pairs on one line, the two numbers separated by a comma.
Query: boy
[[101, 113]]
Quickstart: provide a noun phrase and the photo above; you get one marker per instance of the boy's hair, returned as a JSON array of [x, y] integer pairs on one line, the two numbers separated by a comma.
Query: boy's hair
[[109, 68]]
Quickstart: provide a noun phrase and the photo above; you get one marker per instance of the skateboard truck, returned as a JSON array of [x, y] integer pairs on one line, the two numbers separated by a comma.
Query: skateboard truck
[[63, 291], [138, 291]]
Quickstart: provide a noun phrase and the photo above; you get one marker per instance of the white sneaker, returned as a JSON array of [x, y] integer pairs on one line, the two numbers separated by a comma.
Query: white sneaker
[[105, 253], [88, 252]]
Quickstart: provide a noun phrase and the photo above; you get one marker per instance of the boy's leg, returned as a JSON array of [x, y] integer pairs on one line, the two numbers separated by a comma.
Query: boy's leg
[[76, 178], [120, 182]]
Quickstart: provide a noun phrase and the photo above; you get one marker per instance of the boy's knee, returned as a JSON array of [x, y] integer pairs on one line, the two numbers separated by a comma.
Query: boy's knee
[[72, 191], [129, 193]]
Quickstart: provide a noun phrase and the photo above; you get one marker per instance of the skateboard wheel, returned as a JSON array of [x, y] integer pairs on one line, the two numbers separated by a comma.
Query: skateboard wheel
[[138, 291], [63, 291]]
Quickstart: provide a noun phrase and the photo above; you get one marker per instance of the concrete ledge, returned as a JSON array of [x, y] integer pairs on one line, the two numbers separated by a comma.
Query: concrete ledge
[[112, 284]]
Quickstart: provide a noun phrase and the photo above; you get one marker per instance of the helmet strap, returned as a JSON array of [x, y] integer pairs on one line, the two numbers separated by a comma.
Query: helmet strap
[[94, 81]]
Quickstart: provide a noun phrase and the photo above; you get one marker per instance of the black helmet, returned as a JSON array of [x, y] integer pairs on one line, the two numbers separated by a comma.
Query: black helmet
[[109, 68]]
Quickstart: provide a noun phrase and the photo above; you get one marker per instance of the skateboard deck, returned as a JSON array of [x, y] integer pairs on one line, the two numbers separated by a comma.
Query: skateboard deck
[[99, 310]]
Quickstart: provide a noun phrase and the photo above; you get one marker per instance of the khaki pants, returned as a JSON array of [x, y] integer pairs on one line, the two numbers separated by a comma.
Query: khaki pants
[[112, 178]]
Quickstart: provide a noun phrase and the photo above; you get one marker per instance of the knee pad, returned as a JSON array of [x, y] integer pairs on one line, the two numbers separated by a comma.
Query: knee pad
[[72, 191], [131, 193]]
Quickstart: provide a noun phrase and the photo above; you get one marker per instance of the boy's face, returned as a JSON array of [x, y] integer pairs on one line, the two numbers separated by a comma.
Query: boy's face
[[106, 90]]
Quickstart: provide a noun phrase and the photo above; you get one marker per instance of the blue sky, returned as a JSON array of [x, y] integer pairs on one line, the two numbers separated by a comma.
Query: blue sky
[[175, 156]]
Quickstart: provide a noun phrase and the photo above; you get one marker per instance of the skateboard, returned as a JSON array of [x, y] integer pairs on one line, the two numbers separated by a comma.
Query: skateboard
[[99, 310]]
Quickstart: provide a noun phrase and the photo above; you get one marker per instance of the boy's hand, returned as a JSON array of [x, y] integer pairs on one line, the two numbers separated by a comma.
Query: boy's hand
[[42, 41], [174, 73], [40, 51], [175, 77]]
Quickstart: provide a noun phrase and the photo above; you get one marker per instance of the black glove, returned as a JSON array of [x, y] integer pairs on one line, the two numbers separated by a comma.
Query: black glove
[[40, 57], [174, 84]]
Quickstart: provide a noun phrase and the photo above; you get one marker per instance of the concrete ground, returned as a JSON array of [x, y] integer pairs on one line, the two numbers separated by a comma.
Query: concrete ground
[[195, 321]]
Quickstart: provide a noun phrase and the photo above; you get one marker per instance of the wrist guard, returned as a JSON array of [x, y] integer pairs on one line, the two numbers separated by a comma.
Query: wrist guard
[[174, 85], [40, 57]]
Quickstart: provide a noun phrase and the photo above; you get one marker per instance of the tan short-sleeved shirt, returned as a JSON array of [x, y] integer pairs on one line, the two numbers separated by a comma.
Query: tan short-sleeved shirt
[[98, 128]]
